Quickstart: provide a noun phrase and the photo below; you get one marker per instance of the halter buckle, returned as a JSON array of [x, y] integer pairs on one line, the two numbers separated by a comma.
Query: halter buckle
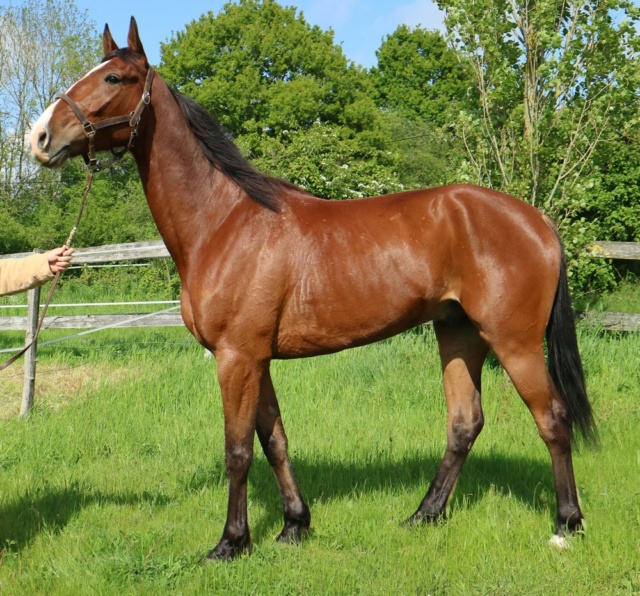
[[91, 161], [88, 129]]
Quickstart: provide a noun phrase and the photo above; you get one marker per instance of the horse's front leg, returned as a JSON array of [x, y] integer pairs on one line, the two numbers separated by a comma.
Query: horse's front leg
[[240, 378], [273, 439]]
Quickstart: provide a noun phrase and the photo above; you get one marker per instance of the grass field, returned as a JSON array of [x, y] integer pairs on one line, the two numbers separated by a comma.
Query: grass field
[[116, 483]]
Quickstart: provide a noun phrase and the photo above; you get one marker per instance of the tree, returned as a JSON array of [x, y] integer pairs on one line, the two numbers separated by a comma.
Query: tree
[[327, 163], [419, 87], [548, 76], [419, 76], [269, 77], [116, 209], [555, 84], [426, 155], [260, 68], [44, 47]]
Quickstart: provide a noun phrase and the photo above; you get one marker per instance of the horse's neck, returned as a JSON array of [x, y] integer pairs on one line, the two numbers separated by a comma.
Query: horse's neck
[[184, 193]]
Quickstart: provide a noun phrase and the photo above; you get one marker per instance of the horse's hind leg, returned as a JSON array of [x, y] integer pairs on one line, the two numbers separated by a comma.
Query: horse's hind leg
[[273, 439], [462, 353], [528, 371]]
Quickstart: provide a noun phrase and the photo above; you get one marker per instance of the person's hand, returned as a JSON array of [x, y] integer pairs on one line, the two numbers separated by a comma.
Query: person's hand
[[59, 259]]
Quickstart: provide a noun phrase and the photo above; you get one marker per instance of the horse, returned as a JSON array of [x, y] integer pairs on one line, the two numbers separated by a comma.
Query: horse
[[269, 271]]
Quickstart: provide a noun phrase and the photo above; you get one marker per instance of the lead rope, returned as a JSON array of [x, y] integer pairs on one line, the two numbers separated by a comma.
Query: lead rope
[[54, 283]]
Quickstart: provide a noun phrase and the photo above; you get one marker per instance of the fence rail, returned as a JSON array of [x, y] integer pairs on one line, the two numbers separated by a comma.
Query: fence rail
[[614, 321], [153, 249], [615, 250], [165, 319], [156, 249]]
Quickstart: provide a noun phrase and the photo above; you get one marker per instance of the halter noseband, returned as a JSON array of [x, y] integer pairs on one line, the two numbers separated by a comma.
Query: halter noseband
[[90, 128]]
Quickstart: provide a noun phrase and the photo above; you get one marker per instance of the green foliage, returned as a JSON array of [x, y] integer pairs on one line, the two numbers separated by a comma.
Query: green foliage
[[44, 46], [326, 162], [13, 238], [261, 69], [154, 280], [419, 85], [426, 155], [615, 206], [555, 90], [116, 210], [419, 76]]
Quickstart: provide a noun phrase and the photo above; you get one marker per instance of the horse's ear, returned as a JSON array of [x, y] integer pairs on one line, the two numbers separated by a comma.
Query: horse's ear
[[108, 45], [135, 45]]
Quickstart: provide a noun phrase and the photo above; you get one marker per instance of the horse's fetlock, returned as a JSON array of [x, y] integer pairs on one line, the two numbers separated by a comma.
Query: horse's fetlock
[[299, 514]]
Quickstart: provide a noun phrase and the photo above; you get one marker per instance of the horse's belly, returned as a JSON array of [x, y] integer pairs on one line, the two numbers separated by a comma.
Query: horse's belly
[[354, 323]]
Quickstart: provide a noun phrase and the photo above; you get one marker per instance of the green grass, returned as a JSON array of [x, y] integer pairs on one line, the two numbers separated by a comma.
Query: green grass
[[626, 298], [119, 487]]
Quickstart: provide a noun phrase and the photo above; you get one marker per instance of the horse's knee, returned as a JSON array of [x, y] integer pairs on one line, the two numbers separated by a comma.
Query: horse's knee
[[276, 449], [238, 459]]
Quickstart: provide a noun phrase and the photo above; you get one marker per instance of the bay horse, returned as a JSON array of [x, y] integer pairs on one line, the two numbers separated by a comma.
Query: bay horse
[[269, 271]]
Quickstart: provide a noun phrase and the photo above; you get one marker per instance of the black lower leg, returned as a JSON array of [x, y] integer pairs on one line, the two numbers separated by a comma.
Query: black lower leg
[[432, 507], [236, 539], [297, 516], [569, 517]]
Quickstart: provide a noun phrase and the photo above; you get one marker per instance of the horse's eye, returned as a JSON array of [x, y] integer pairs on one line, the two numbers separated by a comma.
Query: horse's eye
[[112, 79]]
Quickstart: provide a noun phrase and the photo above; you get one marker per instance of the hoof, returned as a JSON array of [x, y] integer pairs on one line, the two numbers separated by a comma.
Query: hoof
[[421, 519], [227, 550], [292, 533], [559, 542]]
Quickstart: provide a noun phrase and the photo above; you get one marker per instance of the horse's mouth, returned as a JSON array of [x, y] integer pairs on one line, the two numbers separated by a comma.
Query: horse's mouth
[[57, 159]]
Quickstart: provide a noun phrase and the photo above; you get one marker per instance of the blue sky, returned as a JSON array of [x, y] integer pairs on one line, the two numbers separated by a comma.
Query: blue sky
[[359, 25]]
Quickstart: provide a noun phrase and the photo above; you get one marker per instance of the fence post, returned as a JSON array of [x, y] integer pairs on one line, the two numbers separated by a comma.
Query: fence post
[[30, 357]]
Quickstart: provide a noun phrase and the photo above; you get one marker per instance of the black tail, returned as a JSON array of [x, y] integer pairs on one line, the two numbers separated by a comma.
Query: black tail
[[565, 365]]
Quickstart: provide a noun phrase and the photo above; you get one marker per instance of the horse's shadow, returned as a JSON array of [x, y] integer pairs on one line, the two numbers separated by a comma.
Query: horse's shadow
[[53, 507], [320, 480], [526, 480]]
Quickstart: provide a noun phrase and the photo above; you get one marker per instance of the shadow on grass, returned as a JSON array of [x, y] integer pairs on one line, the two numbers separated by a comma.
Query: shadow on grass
[[51, 508], [523, 479]]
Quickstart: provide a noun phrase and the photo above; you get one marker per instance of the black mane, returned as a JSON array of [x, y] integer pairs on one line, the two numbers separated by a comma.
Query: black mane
[[222, 153], [219, 149]]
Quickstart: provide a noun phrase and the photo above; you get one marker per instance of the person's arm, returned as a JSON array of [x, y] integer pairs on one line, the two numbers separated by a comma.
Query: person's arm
[[17, 275]]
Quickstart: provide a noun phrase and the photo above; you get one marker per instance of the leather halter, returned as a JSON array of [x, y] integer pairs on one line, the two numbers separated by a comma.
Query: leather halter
[[91, 128]]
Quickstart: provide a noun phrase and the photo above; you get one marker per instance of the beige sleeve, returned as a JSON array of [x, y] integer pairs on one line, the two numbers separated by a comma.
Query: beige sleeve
[[18, 275]]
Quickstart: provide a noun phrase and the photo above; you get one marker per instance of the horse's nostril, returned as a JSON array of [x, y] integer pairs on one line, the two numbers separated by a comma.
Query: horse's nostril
[[42, 139]]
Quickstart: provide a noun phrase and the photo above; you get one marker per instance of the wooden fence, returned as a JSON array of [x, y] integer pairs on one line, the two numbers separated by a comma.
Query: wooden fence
[[92, 256], [614, 321], [156, 249], [85, 256]]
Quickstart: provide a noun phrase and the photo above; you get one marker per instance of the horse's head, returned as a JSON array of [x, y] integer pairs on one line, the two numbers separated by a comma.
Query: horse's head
[[100, 111]]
